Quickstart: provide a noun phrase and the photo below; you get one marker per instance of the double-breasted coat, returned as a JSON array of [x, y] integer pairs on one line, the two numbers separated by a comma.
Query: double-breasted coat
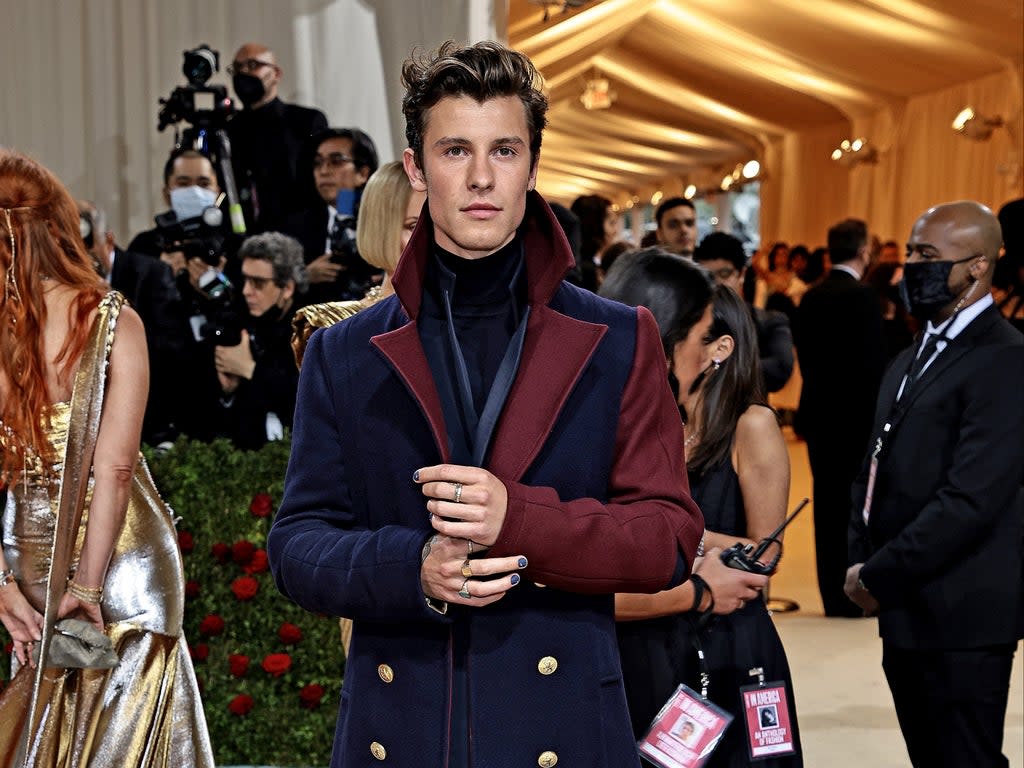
[[588, 445]]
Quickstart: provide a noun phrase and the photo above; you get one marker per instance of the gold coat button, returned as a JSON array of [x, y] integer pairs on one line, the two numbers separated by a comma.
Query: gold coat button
[[378, 751], [547, 666], [547, 759], [387, 674]]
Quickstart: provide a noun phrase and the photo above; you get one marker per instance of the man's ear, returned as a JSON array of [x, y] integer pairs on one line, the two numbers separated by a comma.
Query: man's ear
[[532, 183], [362, 176], [417, 178], [979, 266], [167, 196]]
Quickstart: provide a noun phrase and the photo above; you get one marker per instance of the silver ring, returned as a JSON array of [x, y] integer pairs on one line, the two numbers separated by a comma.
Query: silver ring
[[464, 592], [470, 552], [458, 493]]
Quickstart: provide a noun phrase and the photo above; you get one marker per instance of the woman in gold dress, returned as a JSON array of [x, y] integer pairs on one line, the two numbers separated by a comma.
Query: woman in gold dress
[[85, 534]]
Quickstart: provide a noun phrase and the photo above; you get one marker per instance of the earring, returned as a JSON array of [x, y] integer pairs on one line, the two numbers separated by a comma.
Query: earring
[[717, 364]]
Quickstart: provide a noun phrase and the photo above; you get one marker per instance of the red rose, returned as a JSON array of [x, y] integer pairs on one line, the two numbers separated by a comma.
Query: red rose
[[242, 551], [199, 652], [310, 696], [238, 664], [261, 505], [276, 664], [220, 552], [289, 634], [191, 590], [211, 625], [245, 587], [185, 542], [258, 564], [241, 705]]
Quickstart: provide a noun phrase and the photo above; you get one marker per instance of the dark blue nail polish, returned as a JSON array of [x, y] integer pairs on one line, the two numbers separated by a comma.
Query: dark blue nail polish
[[416, 476], [515, 579], [522, 562]]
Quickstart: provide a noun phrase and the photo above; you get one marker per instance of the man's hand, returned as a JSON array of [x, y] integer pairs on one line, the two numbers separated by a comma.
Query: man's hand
[[236, 361], [732, 588], [464, 502], [447, 572], [857, 593], [176, 260], [323, 270]]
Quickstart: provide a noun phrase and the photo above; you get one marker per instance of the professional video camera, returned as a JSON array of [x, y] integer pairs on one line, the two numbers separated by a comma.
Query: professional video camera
[[207, 109], [203, 106]]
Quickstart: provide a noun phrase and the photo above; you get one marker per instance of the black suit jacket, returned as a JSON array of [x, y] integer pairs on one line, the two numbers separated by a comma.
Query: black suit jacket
[[265, 147], [148, 284], [839, 342], [943, 547]]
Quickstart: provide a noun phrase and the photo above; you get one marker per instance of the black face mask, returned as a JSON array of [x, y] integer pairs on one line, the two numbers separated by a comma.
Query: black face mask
[[248, 88], [925, 287]]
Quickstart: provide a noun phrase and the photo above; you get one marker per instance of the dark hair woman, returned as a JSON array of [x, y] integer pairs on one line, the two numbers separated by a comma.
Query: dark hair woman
[[599, 227], [738, 469]]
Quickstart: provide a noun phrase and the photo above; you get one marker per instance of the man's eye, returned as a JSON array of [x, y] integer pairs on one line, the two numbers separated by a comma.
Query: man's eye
[[505, 151], [455, 151]]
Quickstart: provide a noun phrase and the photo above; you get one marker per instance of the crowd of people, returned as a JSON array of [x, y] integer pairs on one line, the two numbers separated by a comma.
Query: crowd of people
[[522, 526]]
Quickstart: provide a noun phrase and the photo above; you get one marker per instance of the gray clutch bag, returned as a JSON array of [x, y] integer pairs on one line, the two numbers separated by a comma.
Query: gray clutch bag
[[78, 644]]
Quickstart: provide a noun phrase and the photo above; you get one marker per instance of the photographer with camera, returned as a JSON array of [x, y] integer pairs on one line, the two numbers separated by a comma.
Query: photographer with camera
[[339, 161], [266, 139], [255, 370], [149, 286]]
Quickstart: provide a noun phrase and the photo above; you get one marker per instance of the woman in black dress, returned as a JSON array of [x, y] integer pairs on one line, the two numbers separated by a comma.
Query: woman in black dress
[[738, 469]]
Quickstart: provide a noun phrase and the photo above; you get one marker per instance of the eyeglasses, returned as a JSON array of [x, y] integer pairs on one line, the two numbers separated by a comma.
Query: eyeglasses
[[259, 283], [249, 65], [334, 160]]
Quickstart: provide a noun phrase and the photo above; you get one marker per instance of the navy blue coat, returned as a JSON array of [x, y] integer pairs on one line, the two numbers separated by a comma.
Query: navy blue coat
[[589, 446]]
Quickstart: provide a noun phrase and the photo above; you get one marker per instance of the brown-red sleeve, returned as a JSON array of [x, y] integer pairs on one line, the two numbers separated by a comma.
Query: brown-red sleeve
[[644, 539]]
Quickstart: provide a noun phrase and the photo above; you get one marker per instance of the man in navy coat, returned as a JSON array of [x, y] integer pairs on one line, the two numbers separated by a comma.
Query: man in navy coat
[[482, 460]]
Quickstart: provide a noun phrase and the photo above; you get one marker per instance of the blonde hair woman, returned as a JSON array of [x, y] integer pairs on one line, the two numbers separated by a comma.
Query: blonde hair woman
[[388, 212]]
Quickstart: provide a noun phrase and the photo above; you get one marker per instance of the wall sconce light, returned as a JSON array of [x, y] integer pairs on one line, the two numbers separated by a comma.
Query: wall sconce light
[[690, 191], [854, 152], [597, 94], [657, 197], [975, 126]]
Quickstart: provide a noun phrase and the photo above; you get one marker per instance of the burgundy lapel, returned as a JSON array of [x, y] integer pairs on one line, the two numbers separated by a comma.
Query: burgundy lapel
[[404, 352], [555, 352]]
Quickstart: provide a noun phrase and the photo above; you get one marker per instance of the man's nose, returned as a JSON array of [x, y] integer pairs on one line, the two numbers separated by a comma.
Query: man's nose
[[481, 174]]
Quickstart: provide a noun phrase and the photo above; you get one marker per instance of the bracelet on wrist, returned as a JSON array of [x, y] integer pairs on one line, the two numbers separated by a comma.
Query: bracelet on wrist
[[7, 577], [700, 587], [91, 595], [700, 544]]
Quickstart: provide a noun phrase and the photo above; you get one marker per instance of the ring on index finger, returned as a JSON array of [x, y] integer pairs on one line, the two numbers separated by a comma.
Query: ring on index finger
[[464, 592], [458, 493], [467, 571]]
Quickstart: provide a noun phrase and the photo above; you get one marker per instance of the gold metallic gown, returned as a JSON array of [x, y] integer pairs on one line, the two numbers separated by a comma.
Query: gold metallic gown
[[144, 712]]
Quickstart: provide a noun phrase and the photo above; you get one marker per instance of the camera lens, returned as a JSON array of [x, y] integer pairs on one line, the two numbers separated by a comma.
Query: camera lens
[[200, 64]]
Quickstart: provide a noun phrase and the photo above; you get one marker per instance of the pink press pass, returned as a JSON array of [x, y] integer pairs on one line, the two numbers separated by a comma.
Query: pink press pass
[[685, 731], [766, 713]]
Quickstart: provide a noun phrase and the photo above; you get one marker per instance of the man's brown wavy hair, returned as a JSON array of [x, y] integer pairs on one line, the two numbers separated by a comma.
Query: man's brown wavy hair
[[48, 249], [482, 71]]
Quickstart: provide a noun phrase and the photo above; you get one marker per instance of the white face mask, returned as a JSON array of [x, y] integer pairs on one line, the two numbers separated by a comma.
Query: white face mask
[[190, 202]]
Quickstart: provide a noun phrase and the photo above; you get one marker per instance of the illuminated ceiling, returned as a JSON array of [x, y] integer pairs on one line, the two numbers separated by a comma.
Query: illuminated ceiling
[[700, 85]]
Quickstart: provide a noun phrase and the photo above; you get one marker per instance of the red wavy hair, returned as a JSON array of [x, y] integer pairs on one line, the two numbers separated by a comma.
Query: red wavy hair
[[47, 245]]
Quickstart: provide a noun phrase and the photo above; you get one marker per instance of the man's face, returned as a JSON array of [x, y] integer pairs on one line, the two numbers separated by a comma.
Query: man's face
[[678, 230], [259, 289], [334, 169], [724, 273], [191, 172], [476, 172], [940, 237], [259, 61]]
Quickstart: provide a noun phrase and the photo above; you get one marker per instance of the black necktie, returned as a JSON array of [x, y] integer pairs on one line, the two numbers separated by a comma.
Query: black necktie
[[927, 349]]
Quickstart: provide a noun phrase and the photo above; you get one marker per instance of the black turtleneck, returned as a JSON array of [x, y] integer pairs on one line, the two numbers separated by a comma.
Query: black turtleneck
[[487, 297]]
